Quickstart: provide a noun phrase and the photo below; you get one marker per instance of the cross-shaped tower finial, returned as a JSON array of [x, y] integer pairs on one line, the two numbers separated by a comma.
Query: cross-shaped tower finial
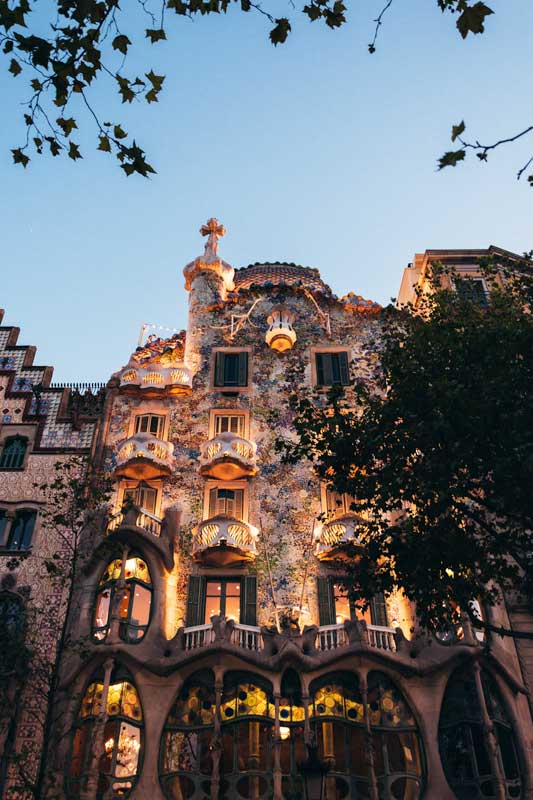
[[213, 230]]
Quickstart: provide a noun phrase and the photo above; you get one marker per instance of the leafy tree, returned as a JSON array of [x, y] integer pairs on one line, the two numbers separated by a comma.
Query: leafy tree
[[85, 42], [439, 451]]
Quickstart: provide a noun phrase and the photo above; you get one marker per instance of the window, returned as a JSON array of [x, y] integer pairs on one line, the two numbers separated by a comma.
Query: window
[[332, 368], [472, 289], [462, 743], [150, 423], [19, 535], [118, 761], [226, 502], [231, 369], [13, 453], [143, 496], [135, 602], [186, 746], [233, 598], [338, 504], [229, 423], [335, 605]]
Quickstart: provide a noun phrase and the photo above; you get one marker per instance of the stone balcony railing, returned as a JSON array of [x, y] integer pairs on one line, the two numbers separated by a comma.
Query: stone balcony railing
[[144, 456], [224, 540], [248, 637], [228, 457], [337, 537], [156, 379], [331, 637]]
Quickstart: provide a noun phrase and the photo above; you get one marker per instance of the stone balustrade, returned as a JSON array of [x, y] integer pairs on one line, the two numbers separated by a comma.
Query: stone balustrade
[[223, 540], [228, 457], [336, 536], [144, 456], [140, 519], [156, 379], [331, 637]]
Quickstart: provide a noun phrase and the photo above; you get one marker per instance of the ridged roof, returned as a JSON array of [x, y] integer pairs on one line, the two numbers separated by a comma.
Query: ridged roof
[[279, 273]]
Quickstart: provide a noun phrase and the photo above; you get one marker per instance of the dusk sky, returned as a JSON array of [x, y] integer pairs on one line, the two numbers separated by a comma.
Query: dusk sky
[[313, 152]]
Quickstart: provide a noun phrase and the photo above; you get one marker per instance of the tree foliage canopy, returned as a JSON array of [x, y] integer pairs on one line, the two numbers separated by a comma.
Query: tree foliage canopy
[[439, 455], [80, 41]]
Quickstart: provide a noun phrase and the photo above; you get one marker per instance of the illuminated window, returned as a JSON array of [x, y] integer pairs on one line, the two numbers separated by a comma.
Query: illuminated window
[[18, 535], [231, 598], [13, 452], [338, 504], [150, 423], [135, 600], [247, 714], [231, 369], [227, 502], [332, 368], [335, 604], [143, 496], [229, 423], [118, 760], [463, 746], [186, 760]]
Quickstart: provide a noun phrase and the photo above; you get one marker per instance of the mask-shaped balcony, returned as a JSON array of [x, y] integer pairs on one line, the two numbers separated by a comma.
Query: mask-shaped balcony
[[228, 457], [338, 539], [156, 380], [221, 541], [144, 456]]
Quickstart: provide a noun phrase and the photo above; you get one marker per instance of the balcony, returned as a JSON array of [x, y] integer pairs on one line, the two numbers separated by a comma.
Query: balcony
[[338, 539], [331, 637], [228, 457], [221, 541], [247, 637], [137, 518], [144, 456], [156, 380]]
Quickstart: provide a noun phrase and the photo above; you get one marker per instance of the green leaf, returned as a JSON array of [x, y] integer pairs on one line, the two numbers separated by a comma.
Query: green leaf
[[278, 35], [155, 34], [19, 157], [155, 80], [14, 67], [104, 144], [457, 130], [451, 158], [473, 18], [119, 133], [73, 151], [121, 42]]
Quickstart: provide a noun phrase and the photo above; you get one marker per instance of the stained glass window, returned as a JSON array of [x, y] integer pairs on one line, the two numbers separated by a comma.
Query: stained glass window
[[118, 762], [135, 601]]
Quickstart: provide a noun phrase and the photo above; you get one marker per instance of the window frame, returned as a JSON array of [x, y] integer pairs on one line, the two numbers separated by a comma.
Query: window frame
[[328, 350], [330, 600], [230, 389], [162, 424], [472, 278], [229, 412], [10, 516], [340, 510], [210, 485], [125, 624], [131, 484], [13, 439]]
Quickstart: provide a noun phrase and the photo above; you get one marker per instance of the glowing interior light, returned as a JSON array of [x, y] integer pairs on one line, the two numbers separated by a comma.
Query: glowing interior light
[[284, 732]]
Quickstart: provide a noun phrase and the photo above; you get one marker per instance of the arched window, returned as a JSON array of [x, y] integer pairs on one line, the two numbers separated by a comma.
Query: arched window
[[21, 532], [462, 743], [13, 452], [113, 753], [338, 715], [186, 761], [134, 603], [247, 712], [397, 747], [292, 750]]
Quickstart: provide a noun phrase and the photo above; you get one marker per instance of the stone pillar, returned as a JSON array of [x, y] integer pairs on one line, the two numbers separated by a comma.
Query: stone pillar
[[216, 746]]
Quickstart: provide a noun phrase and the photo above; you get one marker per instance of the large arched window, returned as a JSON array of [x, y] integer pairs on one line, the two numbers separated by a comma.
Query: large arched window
[[186, 763], [462, 743], [114, 752], [134, 604], [13, 452], [247, 712], [397, 748]]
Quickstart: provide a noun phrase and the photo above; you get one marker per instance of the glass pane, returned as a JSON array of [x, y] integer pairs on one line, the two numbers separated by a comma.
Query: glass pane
[[342, 603], [140, 612], [146, 498], [213, 600], [141, 424], [124, 604], [82, 740], [129, 744], [101, 614], [233, 608]]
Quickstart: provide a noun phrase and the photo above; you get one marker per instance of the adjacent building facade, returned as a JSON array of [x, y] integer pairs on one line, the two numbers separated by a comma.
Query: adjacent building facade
[[220, 655]]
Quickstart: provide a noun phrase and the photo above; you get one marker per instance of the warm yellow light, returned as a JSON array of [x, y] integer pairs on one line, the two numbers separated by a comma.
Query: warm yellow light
[[109, 745], [450, 573], [284, 732]]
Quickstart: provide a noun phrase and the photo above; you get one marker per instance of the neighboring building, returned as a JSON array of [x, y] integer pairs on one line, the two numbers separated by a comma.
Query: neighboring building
[[465, 264], [220, 644], [39, 427]]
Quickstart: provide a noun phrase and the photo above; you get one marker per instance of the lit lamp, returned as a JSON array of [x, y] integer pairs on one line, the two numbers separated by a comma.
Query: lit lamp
[[314, 773], [280, 335]]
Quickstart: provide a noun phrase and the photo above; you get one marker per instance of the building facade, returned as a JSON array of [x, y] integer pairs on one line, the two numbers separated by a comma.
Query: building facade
[[42, 429], [220, 655]]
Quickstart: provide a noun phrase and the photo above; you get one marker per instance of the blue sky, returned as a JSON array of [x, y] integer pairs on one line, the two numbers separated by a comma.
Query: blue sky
[[314, 152]]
